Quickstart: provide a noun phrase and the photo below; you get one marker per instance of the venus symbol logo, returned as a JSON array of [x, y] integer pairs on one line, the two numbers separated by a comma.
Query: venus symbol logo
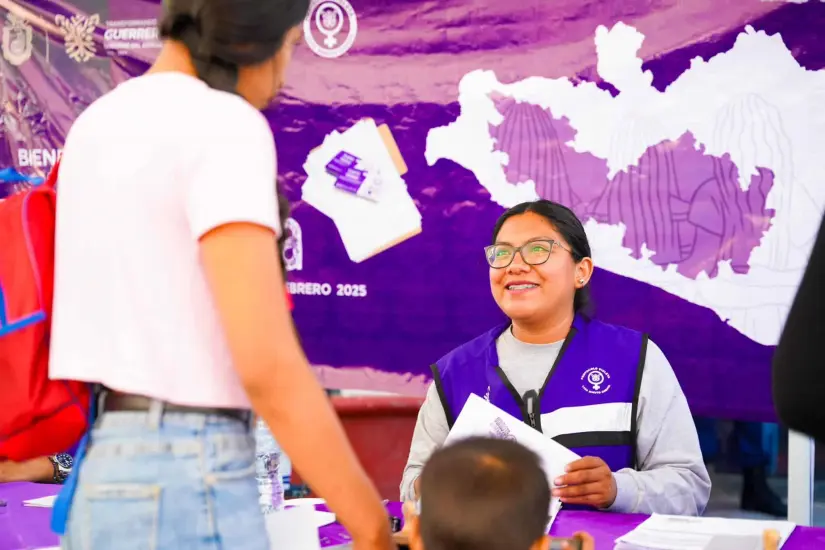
[[596, 381], [331, 18]]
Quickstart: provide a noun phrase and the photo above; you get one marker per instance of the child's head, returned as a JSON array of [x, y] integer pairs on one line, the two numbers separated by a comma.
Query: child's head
[[482, 494]]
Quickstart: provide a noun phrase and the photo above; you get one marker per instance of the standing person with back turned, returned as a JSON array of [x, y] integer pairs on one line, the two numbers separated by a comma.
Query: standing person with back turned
[[606, 392], [169, 295], [798, 364]]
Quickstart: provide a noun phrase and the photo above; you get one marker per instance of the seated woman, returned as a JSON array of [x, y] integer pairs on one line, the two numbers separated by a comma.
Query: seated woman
[[606, 392]]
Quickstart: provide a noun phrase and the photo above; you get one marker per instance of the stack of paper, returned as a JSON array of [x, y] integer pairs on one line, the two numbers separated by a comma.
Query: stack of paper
[[660, 532], [321, 518], [480, 418], [354, 178], [42, 502]]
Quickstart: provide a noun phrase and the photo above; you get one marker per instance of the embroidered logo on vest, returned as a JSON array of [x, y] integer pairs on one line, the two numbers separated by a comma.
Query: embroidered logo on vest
[[499, 430], [596, 381]]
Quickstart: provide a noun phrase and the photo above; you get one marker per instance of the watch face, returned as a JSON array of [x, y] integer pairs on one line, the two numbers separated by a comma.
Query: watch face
[[64, 461]]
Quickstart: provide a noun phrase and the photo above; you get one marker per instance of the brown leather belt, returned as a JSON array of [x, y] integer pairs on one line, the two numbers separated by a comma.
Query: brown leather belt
[[117, 401]]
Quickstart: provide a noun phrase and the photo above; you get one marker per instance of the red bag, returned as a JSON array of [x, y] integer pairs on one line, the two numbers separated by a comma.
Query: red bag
[[38, 416]]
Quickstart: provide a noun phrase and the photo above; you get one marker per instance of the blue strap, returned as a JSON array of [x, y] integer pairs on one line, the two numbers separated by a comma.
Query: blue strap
[[6, 327], [63, 503]]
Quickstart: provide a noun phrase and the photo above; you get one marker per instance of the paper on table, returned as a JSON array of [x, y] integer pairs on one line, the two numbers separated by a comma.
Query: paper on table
[[320, 518], [307, 501], [295, 528], [663, 532], [482, 418], [42, 502]]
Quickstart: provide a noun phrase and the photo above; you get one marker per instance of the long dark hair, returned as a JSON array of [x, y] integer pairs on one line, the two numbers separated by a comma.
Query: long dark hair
[[284, 210], [569, 226], [223, 35]]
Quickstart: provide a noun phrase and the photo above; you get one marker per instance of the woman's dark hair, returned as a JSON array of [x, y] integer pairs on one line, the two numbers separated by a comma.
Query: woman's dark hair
[[284, 209], [569, 226], [223, 35]]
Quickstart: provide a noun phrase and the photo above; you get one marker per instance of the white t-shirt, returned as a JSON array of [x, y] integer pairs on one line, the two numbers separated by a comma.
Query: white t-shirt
[[146, 170]]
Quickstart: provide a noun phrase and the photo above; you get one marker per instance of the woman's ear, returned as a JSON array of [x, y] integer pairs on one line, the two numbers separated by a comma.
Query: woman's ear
[[584, 270]]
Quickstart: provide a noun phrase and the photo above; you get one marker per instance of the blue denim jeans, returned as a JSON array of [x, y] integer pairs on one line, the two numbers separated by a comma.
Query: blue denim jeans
[[167, 481]]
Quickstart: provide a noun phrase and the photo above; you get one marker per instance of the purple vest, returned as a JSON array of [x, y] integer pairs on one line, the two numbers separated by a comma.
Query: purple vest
[[589, 400]]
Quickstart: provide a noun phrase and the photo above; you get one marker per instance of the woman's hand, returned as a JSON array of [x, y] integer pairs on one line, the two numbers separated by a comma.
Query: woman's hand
[[588, 481]]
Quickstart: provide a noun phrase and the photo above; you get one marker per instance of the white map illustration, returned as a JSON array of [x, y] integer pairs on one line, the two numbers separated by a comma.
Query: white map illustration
[[712, 190]]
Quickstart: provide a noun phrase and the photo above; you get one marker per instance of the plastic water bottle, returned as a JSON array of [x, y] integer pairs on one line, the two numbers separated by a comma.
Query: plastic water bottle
[[286, 472], [269, 469]]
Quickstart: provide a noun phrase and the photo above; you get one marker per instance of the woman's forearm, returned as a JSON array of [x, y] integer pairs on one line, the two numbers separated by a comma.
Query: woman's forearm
[[37, 470], [316, 444]]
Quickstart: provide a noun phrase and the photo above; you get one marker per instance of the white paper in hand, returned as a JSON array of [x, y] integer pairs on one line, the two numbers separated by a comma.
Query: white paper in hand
[[480, 418]]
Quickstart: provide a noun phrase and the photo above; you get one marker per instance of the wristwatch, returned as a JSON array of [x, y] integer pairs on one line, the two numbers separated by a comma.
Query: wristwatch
[[62, 464]]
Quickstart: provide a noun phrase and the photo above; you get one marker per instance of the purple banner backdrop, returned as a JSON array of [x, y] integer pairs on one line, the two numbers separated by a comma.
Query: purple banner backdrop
[[684, 133]]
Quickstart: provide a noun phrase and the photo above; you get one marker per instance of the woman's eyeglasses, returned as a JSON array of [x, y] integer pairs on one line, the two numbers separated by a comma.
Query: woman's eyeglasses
[[535, 252]]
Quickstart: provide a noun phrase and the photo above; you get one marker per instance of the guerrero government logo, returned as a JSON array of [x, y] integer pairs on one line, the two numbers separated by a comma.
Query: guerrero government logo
[[17, 40], [335, 23]]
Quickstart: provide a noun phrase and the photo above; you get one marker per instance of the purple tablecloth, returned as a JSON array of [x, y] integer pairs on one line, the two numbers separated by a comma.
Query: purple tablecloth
[[604, 527], [24, 528]]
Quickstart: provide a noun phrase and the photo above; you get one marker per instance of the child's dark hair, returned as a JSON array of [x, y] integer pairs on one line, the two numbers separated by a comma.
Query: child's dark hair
[[569, 226], [483, 494], [223, 35]]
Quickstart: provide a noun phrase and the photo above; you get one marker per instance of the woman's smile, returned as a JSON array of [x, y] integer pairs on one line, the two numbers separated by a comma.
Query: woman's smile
[[521, 287]]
